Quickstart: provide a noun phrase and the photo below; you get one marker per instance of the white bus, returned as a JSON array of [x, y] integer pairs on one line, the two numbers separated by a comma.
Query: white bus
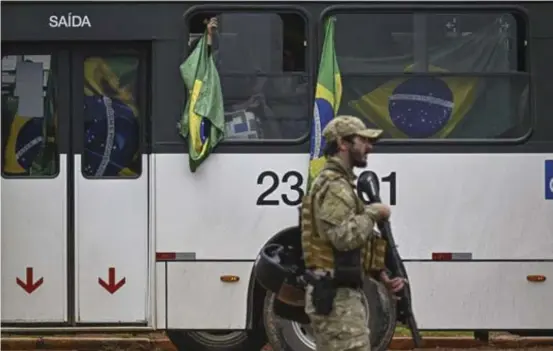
[[104, 227]]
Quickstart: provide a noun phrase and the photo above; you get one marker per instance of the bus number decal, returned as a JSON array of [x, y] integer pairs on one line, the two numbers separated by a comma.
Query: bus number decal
[[391, 179], [294, 182]]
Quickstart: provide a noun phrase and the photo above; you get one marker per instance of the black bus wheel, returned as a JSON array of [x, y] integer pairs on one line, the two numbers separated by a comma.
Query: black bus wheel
[[217, 340], [287, 335]]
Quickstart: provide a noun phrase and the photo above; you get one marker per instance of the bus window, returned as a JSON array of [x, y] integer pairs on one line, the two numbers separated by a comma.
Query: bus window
[[435, 75], [29, 112], [111, 117], [261, 60]]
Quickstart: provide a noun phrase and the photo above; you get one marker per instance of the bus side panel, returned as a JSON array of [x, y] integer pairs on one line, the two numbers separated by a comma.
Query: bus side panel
[[489, 206], [481, 295], [197, 298], [160, 294], [231, 205]]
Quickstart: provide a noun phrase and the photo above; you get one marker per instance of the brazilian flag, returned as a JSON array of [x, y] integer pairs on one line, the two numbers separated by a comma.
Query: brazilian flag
[[418, 106], [112, 130], [30, 146], [327, 99], [24, 143], [45, 163], [203, 119]]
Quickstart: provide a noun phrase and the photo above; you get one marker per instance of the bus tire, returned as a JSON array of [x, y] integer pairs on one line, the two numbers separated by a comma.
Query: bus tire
[[217, 340], [286, 335]]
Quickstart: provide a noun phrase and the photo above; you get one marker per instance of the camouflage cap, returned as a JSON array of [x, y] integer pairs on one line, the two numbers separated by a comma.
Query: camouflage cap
[[342, 126]]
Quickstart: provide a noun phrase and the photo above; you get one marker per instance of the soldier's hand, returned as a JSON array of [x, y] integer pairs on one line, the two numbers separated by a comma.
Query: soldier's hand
[[381, 211], [393, 284]]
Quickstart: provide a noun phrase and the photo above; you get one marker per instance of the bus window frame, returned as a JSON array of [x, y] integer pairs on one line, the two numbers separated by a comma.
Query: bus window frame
[[64, 92], [519, 13], [104, 50], [310, 60]]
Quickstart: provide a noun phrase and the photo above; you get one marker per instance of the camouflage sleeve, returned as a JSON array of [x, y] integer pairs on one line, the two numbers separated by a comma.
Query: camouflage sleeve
[[338, 220]]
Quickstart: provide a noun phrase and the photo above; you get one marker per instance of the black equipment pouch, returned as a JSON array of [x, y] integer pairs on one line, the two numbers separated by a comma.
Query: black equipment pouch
[[348, 272], [324, 292]]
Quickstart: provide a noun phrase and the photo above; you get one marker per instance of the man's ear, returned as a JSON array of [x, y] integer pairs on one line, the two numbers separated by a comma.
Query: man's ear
[[342, 144]]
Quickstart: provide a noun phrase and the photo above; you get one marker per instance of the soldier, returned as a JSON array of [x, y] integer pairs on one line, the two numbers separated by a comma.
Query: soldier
[[339, 243]]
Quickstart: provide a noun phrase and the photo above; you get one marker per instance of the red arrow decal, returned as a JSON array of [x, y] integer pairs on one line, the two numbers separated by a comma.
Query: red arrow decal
[[29, 285], [111, 286]]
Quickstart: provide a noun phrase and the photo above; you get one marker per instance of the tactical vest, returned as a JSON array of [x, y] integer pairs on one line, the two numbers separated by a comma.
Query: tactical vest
[[317, 251]]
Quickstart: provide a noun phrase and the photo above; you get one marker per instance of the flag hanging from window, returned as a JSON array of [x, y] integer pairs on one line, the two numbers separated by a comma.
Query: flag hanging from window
[[327, 100], [203, 117]]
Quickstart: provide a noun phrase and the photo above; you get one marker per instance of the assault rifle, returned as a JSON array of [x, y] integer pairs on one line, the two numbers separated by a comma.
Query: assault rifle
[[368, 184]]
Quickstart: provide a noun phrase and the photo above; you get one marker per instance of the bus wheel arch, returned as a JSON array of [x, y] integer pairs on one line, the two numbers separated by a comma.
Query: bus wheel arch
[[286, 326], [252, 339], [288, 335], [256, 293]]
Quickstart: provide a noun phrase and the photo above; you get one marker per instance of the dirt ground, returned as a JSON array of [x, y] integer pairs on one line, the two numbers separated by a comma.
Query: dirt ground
[[165, 345]]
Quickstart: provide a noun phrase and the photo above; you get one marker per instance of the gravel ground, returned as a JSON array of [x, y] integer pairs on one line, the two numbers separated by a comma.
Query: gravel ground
[[437, 349], [165, 347]]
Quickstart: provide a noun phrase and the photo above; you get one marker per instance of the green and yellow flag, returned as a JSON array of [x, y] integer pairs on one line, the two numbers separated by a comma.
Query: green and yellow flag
[[203, 118], [45, 162], [110, 87], [419, 106], [30, 148], [327, 100]]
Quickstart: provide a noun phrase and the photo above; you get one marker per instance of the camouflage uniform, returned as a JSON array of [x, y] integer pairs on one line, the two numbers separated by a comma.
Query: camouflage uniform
[[344, 221]]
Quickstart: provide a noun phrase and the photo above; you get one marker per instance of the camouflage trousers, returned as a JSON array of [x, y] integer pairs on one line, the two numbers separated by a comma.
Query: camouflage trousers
[[346, 328]]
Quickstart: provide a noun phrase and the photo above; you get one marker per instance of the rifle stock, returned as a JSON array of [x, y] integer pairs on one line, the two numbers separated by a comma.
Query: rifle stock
[[393, 260]]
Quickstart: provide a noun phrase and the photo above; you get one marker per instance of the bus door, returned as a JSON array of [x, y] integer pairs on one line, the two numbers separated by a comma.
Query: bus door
[[75, 184]]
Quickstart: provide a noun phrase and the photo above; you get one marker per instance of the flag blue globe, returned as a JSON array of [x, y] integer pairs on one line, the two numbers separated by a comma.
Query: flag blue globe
[[421, 106], [111, 136], [29, 142], [205, 126], [324, 112]]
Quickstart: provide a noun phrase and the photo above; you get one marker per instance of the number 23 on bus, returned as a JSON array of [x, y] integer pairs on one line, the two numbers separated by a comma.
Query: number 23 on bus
[[293, 181]]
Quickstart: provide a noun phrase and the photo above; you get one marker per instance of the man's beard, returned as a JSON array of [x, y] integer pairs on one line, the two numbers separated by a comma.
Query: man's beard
[[358, 159]]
